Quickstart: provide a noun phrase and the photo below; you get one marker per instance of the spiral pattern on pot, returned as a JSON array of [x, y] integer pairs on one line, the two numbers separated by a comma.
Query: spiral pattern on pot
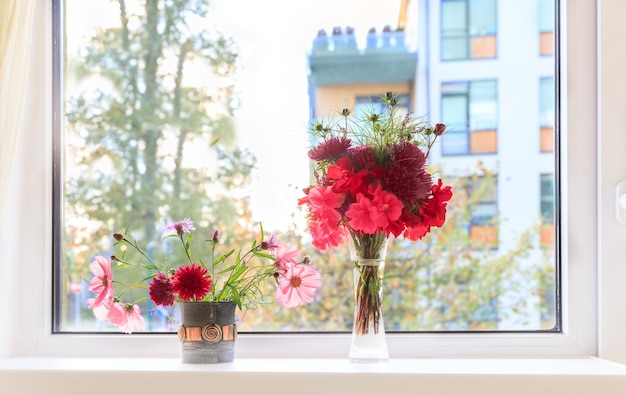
[[212, 333], [182, 334]]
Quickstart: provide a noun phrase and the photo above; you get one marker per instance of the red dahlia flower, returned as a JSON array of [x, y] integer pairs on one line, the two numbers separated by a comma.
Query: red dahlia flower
[[191, 282]]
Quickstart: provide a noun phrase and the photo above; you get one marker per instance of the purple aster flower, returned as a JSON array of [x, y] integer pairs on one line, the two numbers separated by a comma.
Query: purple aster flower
[[270, 244], [406, 175], [361, 156], [332, 148], [181, 227]]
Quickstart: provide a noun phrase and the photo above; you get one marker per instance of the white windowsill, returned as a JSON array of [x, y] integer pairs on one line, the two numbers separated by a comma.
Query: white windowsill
[[590, 375]]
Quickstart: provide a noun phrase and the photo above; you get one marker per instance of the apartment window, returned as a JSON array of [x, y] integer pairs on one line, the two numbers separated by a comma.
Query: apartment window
[[546, 114], [468, 29], [546, 27], [469, 109], [483, 203]]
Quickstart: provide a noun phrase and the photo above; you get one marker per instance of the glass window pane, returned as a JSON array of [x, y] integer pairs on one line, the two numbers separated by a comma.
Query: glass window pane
[[454, 30], [482, 15], [207, 121], [483, 106], [455, 111], [454, 20], [456, 142], [547, 198], [546, 102], [546, 16]]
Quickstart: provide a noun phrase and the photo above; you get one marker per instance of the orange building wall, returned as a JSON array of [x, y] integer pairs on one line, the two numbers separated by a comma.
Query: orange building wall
[[330, 100]]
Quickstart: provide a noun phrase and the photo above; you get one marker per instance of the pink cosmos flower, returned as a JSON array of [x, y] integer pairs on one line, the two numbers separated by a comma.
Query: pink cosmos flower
[[102, 281], [134, 319], [298, 285], [127, 317], [101, 312], [181, 227], [116, 315], [285, 254]]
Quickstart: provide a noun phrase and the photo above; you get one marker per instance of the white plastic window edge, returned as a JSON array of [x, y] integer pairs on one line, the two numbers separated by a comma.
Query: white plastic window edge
[[25, 257]]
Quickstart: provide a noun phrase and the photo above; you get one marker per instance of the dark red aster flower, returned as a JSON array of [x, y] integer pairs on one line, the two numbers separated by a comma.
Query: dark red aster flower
[[161, 290], [406, 175], [332, 148], [191, 282], [361, 157]]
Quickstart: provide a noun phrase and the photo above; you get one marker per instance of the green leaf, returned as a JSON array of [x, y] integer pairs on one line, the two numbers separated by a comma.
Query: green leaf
[[188, 241], [148, 278], [262, 254], [223, 257]]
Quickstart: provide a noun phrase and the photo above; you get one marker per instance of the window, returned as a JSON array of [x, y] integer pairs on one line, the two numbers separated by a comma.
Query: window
[[482, 191], [28, 213], [546, 27], [546, 114], [146, 142], [469, 109], [468, 29]]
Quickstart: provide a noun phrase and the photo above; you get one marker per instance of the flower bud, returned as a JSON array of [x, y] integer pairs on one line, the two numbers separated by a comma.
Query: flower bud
[[373, 118], [118, 236], [439, 129], [391, 99], [216, 236]]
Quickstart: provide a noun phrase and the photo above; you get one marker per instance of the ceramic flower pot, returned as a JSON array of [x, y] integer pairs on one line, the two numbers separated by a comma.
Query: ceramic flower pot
[[207, 332]]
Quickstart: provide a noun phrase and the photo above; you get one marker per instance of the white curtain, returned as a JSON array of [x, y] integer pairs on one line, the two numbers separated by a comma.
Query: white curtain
[[16, 17]]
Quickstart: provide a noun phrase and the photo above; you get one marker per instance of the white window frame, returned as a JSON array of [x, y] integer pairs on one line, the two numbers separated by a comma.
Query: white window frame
[[594, 322]]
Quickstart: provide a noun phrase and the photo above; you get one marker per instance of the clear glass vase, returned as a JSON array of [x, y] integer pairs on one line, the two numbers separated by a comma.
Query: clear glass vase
[[368, 253]]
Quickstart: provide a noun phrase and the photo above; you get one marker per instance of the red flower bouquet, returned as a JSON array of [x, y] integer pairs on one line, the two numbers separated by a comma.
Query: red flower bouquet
[[372, 183]]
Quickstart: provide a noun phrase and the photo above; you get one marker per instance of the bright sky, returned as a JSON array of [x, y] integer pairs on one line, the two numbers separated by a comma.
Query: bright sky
[[274, 37]]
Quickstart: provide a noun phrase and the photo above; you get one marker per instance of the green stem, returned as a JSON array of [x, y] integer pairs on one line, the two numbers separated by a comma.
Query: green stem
[[185, 248]]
